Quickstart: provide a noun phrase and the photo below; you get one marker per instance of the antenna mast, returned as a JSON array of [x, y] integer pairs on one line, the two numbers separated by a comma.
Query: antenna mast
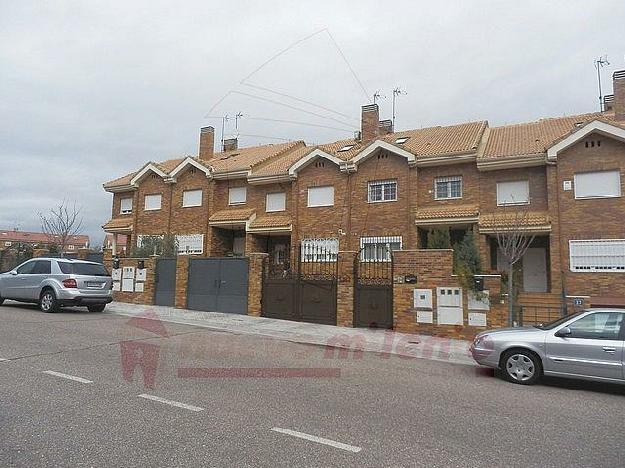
[[599, 64], [377, 96], [224, 119], [396, 92]]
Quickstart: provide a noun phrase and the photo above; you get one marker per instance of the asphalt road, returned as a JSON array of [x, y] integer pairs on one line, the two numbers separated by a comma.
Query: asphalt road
[[230, 400]]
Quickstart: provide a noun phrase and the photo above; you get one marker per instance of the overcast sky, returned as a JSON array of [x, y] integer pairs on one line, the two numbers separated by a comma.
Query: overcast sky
[[92, 90]]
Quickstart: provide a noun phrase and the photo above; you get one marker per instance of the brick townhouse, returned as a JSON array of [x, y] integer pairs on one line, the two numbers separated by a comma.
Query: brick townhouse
[[386, 188], [11, 239]]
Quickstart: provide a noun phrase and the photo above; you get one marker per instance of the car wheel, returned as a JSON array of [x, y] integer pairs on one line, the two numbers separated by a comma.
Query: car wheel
[[1, 301], [521, 367], [96, 308], [48, 302]]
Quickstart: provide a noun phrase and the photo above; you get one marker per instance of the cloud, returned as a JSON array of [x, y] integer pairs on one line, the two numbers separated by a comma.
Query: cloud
[[91, 90]]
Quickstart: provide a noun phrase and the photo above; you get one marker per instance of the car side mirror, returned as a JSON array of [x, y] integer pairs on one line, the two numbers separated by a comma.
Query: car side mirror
[[563, 332], [13, 272]]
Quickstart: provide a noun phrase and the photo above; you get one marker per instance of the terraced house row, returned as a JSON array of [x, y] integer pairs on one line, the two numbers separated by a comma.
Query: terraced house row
[[387, 188]]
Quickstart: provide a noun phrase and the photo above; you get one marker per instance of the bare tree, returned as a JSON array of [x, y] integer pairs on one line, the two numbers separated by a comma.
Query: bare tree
[[513, 240], [61, 223]]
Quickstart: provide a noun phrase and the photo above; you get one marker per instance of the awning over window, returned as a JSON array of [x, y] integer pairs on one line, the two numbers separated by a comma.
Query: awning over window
[[277, 223], [231, 216], [450, 214], [529, 221], [119, 225]]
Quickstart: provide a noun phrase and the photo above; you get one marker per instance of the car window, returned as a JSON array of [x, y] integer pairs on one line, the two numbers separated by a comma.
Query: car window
[[26, 269], [599, 326], [42, 267], [557, 322], [90, 269]]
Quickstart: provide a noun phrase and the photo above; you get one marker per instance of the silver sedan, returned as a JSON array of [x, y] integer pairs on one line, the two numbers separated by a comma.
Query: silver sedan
[[586, 345]]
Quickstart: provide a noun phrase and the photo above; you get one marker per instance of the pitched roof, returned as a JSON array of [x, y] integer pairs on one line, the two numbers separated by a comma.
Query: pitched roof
[[232, 214], [532, 138], [449, 211], [436, 141], [37, 237], [281, 164], [245, 158], [271, 221]]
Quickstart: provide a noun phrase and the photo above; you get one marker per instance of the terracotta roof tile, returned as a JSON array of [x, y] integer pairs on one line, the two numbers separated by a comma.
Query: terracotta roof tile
[[244, 159], [37, 237], [437, 141], [535, 137], [271, 221], [281, 164], [232, 214], [449, 211], [506, 219]]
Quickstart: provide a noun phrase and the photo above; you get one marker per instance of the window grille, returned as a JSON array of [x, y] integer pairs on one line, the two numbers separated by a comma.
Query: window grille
[[600, 255]]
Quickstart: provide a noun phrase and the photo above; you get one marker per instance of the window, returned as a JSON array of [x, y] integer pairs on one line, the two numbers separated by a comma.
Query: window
[[191, 198], [600, 255], [513, 193], [448, 187], [90, 269], [7, 243], [26, 268], [346, 148], [190, 244], [600, 184], [275, 202], [42, 267], [381, 191], [402, 140], [378, 249], [237, 195], [70, 247], [125, 206], [152, 202], [320, 196], [597, 326], [320, 250]]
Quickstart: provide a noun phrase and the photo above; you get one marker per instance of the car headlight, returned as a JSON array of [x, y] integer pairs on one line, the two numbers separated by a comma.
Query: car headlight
[[479, 340]]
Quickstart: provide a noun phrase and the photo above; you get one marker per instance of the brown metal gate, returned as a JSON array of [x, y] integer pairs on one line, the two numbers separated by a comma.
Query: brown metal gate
[[373, 289], [306, 293]]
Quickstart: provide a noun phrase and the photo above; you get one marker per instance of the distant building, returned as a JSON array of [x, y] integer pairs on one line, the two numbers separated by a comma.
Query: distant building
[[11, 239]]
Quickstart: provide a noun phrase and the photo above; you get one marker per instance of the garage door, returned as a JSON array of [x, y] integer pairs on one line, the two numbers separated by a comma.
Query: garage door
[[218, 285]]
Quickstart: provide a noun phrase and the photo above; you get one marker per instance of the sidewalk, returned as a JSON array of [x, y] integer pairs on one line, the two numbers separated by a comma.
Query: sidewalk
[[379, 341]]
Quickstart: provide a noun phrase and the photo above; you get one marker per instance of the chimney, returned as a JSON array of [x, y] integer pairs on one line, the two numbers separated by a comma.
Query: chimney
[[618, 83], [608, 103], [207, 143], [370, 122], [385, 127], [230, 144]]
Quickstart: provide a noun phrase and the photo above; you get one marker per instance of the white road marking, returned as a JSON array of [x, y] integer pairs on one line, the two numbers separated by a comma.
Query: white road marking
[[171, 403], [319, 440], [66, 376]]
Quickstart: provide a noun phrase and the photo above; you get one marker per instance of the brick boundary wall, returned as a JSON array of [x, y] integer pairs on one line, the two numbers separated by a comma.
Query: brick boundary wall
[[434, 268], [145, 297], [345, 289]]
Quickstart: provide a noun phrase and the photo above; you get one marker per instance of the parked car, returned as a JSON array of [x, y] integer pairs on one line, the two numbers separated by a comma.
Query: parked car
[[56, 282], [586, 345]]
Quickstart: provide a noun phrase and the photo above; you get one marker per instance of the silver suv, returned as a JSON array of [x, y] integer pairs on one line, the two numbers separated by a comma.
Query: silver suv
[[56, 282]]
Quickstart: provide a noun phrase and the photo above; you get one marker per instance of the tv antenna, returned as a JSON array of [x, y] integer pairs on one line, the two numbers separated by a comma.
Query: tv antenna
[[599, 64], [224, 119], [236, 120], [396, 93], [377, 96]]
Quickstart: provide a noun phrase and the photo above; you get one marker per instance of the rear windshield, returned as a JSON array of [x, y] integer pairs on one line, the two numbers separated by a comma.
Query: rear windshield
[[89, 269]]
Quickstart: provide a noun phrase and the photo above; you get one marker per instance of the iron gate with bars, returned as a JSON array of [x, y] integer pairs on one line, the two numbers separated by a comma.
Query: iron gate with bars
[[218, 285], [373, 287], [165, 282], [305, 293]]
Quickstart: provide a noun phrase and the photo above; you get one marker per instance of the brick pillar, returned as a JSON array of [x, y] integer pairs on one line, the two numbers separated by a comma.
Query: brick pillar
[[553, 188], [345, 289], [255, 283], [82, 253], [182, 281]]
